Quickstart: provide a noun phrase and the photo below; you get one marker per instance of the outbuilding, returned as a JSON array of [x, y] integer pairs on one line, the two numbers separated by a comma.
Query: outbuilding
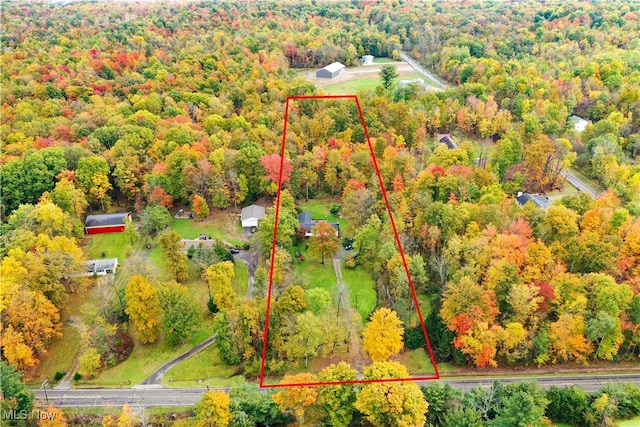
[[251, 215], [330, 71], [100, 267], [106, 223]]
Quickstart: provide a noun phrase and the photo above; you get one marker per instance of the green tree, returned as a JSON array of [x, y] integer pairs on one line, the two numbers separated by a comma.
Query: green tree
[[15, 393], [567, 405], [387, 74], [180, 312], [460, 416], [154, 219], [441, 398], [324, 240], [175, 258], [143, 308], [522, 405]]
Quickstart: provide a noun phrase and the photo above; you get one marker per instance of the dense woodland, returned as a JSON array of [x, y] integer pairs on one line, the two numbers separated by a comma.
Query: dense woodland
[[151, 107]]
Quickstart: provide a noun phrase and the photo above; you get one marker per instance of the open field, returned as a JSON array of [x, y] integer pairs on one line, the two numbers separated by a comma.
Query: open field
[[221, 225], [59, 355], [354, 79]]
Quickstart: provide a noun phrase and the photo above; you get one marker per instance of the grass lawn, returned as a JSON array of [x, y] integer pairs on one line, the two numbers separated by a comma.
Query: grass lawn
[[201, 369], [59, 355], [635, 422], [417, 362], [241, 279], [317, 275], [221, 227], [107, 245], [352, 86], [381, 60], [143, 361], [319, 209], [362, 290]]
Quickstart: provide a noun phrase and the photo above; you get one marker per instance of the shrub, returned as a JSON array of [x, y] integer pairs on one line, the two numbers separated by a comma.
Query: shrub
[[59, 375], [350, 263], [77, 376], [335, 208]]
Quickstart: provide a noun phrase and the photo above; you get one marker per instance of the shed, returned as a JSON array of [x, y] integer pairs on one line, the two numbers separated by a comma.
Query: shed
[[100, 267], [331, 70], [539, 200], [305, 220], [106, 223], [579, 124], [366, 60], [251, 215], [446, 139]]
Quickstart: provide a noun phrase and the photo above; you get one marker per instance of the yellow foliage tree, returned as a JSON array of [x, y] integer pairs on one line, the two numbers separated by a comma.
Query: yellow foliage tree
[[298, 401], [399, 404], [143, 308], [382, 337], [219, 276], [16, 351], [54, 418], [214, 410]]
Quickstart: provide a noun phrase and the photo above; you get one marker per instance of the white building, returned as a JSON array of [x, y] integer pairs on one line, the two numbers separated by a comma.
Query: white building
[[251, 215]]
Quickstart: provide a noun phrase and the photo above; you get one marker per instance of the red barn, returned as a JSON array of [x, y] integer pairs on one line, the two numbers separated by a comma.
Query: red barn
[[107, 223]]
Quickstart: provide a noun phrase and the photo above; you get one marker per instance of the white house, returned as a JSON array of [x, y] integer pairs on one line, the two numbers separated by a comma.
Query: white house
[[579, 124], [100, 267], [251, 215]]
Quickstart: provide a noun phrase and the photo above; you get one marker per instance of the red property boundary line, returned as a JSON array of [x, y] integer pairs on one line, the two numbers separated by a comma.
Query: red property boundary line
[[395, 231]]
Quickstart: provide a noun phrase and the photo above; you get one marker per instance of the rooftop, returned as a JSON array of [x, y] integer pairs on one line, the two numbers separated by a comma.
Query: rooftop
[[106, 219]]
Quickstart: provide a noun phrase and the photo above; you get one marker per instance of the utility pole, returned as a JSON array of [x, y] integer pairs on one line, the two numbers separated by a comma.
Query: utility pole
[[44, 387]]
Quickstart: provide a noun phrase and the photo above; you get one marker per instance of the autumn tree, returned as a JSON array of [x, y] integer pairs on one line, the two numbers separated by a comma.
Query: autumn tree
[[299, 401], [338, 400], [174, 256], [143, 308], [323, 240], [200, 207], [219, 277], [382, 337], [213, 410], [391, 403]]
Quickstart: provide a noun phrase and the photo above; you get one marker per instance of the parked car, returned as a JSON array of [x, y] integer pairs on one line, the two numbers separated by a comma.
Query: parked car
[[234, 251], [204, 237], [348, 247]]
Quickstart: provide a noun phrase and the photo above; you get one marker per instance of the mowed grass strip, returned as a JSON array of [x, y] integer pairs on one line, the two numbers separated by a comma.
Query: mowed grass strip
[[59, 355], [240, 280], [107, 245], [362, 290], [200, 369], [223, 228]]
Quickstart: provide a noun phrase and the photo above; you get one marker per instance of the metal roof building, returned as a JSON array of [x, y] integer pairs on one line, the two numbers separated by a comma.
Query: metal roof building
[[106, 223], [251, 215], [331, 70]]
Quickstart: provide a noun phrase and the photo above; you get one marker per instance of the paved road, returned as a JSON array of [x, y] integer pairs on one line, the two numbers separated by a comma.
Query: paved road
[[439, 83], [155, 379], [578, 183], [150, 397]]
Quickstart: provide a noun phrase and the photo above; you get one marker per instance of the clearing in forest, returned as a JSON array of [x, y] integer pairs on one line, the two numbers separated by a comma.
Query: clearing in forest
[[350, 343]]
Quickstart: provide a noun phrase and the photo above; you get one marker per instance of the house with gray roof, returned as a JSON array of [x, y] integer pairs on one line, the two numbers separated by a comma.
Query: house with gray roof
[[306, 221], [100, 267], [540, 201]]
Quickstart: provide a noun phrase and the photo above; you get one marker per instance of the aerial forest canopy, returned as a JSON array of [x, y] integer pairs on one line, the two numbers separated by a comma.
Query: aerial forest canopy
[[155, 105]]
